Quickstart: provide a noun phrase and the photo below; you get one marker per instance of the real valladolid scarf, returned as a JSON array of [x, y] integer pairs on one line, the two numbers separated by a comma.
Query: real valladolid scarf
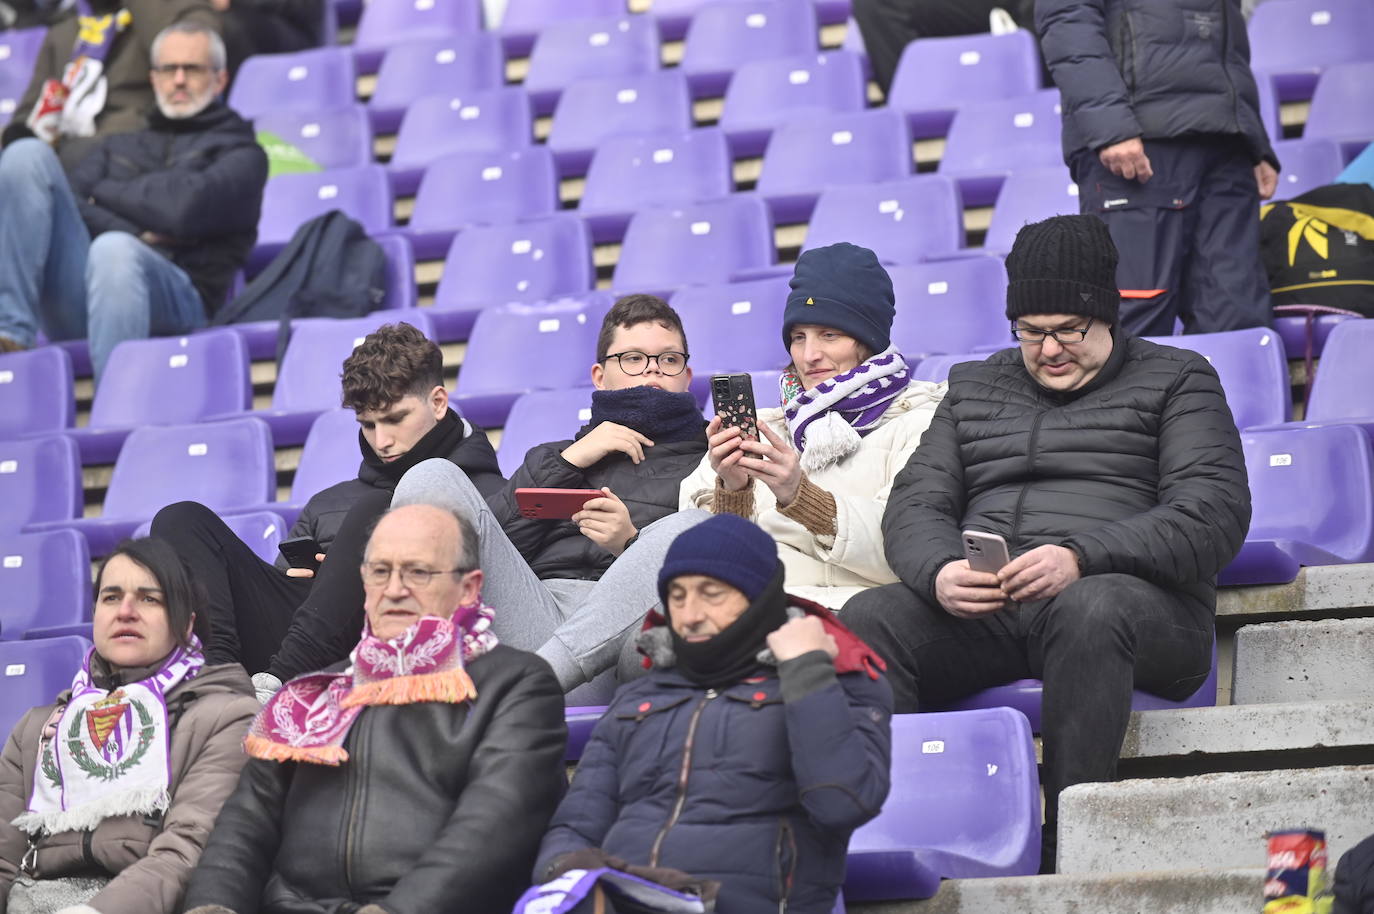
[[828, 421], [68, 106]]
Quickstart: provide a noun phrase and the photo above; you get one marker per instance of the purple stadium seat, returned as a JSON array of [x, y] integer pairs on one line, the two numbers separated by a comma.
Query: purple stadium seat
[[600, 47], [40, 480], [330, 455], [949, 306], [222, 465], [1340, 106], [290, 201], [629, 173], [262, 531], [451, 65], [1294, 41], [965, 803], [400, 272], [484, 120], [806, 156], [1312, 503], [524, 19], [540, 416], [988, 140], [936, 367], [36, 392], [1253, 369], [1029, 195], [591, 111], [1269, 106], [45, 582], [1341, 389], [558, 336], [392, 22], [32, 673], [669, 247], [724, 36], [1305, 328], [480, 188], [937, 76], [581, 721], [18, 51], [901, 221], [854, 41], [313, 80], [526, 262], [335, 138], [733, 327], [674, 16], [766, 93], [1306, 164]]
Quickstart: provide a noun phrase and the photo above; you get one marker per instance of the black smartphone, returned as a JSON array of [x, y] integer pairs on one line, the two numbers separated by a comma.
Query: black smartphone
[[300, 552], [732, 395]]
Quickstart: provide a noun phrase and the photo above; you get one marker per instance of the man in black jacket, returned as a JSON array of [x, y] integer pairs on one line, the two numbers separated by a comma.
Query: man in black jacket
[[1113, 470], [1162, 132], [144, 235], [394, 381]]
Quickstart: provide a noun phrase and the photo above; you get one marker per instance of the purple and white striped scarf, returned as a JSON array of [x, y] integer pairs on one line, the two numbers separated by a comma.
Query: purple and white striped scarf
[[828, 421]]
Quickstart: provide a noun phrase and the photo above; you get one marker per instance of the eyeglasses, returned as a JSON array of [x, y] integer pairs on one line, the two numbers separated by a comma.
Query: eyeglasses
[[192, 70], [1063, 337], [633, 362], [412, 576]]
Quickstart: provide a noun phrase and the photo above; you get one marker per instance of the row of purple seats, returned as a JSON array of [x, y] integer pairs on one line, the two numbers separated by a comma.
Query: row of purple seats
[[32, 673], [45, 584], [1294, 42], [18, 51]]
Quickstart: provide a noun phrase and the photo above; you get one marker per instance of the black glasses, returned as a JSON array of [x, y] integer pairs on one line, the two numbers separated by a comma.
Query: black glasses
[[633, 362], [191, 70], [1062, 336], [412, 576]]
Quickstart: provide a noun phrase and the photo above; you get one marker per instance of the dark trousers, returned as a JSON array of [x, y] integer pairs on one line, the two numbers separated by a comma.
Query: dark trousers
[[1102, 637], [888, 26], [1353, 886], [1192, 230]]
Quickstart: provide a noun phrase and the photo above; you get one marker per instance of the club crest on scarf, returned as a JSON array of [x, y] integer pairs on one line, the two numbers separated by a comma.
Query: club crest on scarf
[[828, 421]]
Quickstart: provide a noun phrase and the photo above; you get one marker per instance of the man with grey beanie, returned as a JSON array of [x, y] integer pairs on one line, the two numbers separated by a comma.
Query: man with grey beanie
[[1113, 470]]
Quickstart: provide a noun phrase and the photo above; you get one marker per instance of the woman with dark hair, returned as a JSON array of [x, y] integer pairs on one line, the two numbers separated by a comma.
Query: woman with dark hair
[[107, 795]]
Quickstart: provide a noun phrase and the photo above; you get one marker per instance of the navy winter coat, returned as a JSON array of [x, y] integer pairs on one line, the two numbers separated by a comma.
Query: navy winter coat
[[772, 775]]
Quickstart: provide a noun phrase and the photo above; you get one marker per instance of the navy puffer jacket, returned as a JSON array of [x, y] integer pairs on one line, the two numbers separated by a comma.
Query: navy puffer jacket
[[773, 775], [1158, 69]]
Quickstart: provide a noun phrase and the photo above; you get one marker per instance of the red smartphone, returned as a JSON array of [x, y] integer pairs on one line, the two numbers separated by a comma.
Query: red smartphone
[[554, 504], [732, 395]]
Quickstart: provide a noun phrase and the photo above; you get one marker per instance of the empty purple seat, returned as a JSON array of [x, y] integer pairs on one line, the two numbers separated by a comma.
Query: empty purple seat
[[557, 336], [901, 221], [600, 47], [331, 455], [480, 188], [334, 138], [949, 306], [1029, 195], [989, 140], [733, 327], [591, 111], [936, 367], [40, 480], [674, 16], [724, 36], [1306, 164], [669, 247], [524, 19], [484, 120], [384, 25], [540, 416], [1312, 504], [766, 93], [45, 582], [1268, 106], [36, 392], [581, 721], [362, 193], [1306, 328], [313, 80], [628, 173], [451, 65], [806, 156], [530, 261], [32, 673], [18, 51], [1341, 390], [937, 76], [964, 803], [400, 271], [1253, 369], [1295, 40], [1340, 107]]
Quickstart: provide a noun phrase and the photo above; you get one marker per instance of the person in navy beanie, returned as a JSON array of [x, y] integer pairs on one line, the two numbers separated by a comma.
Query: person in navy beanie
[[794, 684]]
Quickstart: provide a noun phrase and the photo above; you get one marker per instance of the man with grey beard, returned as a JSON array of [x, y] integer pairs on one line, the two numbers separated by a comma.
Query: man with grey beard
[[144, 234]]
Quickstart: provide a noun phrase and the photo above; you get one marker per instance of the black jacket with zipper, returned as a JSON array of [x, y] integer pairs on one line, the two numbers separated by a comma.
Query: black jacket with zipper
[[1139, 472]]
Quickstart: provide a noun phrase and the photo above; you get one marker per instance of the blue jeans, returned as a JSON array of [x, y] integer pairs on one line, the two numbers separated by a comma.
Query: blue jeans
[[109, 289]]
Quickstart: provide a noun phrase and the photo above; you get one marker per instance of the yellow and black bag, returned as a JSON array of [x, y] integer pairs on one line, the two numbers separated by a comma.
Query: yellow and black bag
[[1318, 248]]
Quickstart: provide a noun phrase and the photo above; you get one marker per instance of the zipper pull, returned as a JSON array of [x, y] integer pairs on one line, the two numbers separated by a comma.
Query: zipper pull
[[711, 693]]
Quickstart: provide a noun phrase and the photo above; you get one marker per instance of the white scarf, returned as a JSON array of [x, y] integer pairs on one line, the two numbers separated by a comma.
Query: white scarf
[[828, 421]]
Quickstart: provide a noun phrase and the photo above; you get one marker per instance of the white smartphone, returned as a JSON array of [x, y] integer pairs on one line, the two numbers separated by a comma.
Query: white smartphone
[[985, 551]]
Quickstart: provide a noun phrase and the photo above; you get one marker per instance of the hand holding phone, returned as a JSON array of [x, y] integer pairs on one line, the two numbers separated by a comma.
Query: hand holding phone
[[985, 551], [732, 396], [553, 504], [302, 553]]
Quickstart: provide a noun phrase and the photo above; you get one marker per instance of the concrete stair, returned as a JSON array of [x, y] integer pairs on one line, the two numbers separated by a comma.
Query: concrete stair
[[1304, 661]]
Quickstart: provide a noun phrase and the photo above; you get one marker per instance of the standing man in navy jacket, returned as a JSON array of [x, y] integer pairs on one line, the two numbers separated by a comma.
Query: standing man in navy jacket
[[1163, 134]]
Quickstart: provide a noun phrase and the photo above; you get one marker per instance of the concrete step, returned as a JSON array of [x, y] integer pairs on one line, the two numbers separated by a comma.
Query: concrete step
[[1235, 891], [1209, 821], [1320, 591], [1330, 659]]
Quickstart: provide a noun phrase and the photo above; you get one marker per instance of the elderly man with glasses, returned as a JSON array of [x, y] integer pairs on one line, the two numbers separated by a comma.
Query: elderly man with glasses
[[1112, 469]]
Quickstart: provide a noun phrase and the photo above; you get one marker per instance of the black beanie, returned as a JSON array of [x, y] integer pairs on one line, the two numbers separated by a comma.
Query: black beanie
[[842, 286], [1064, 265]]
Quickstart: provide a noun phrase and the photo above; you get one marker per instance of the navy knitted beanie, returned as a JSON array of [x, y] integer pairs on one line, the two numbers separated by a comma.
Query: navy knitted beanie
[[842, 286], [725, 547], [1063, 265]]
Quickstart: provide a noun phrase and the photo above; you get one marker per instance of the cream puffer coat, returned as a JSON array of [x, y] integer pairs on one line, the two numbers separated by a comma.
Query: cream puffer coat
[[831, 569]]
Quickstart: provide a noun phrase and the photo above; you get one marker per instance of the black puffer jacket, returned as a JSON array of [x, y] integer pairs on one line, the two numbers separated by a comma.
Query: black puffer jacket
[[196, 181], [1140, 472], [1158, 69], [555, 548], [439, 807]]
